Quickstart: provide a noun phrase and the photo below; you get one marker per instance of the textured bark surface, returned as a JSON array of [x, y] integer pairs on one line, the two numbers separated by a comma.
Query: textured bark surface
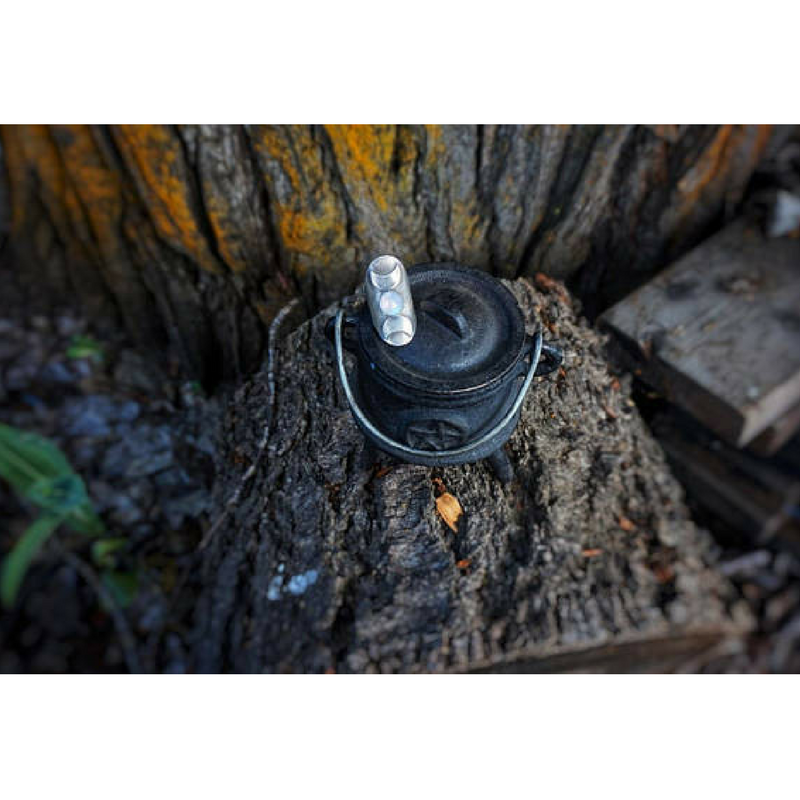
[[334, 558], [193, 236]]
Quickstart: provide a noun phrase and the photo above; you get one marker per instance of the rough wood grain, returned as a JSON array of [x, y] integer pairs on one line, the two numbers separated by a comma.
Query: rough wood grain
[[753, 495], [773, 438], [194, 236], [334, 557], [719, 332]]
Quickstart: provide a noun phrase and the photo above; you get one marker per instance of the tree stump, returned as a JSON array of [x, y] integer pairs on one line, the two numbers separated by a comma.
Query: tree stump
[[334, 558]]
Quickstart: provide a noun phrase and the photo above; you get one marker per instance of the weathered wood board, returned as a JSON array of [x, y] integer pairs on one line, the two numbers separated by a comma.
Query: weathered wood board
[[771, 439], [335, 558], [718, 333], [752, 495]]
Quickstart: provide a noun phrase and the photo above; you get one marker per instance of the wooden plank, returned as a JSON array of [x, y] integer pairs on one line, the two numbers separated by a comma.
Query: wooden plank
[[754, 496], [718, 333], [771, 439]]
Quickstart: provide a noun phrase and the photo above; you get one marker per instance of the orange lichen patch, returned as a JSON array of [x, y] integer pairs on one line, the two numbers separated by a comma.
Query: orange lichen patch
[[301, 231], [17, 171], [467, 223], [376, 165], [718, 165], [154, 154], [289, 147], [708, 166], [97, 186], [365, 153], [308, 212], [227, 184], [39, 153], [223, 226]]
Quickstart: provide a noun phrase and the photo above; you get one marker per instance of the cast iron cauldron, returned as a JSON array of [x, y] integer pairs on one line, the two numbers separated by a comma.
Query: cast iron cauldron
[[444, 363]]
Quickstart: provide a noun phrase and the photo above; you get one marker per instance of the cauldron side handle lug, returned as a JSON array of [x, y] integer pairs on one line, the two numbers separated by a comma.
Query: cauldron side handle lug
[[501, 465], [551, 359]]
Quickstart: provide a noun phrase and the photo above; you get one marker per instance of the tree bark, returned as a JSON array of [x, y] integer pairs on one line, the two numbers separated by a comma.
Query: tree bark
[[194, 236], [329, 557]]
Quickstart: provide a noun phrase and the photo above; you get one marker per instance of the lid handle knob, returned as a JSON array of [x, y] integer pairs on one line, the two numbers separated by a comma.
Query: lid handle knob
[[389, 299]]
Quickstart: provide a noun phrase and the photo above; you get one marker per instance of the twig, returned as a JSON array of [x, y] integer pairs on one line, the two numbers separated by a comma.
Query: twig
[[262, 445], [126, 640], [745, 564]]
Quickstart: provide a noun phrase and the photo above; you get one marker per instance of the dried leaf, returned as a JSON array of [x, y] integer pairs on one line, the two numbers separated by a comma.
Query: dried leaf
[[626, 524], [438, 485], [551, 285], [463, 564], [383, 471], [591, 552], [449, 510], [664, 573]]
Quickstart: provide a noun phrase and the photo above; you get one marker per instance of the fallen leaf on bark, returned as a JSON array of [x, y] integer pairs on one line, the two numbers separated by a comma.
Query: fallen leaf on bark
[[551, 285], [449, 510], [626, 524]]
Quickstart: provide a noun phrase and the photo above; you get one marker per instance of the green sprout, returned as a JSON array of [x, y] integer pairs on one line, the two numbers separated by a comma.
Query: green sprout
[[39, 472], [85, 347]]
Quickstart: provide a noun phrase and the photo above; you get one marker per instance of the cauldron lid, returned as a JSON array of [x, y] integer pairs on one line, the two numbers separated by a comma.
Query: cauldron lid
[[470, 332]]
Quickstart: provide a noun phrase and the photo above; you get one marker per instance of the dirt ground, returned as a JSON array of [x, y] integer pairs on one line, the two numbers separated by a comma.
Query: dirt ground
[[140, 440]]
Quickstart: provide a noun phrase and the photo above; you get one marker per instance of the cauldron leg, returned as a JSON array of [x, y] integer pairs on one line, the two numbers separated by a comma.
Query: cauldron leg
[[501, 465]]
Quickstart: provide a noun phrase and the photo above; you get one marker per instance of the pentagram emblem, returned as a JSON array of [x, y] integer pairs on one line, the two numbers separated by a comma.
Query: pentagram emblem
[[434, 434]]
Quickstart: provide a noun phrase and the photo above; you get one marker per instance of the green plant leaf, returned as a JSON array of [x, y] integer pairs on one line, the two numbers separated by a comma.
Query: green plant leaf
[[40, 473], [85, 347], [122, 586], [104, 550], [16, 563], [26, 458], [60, 495], [84, 520]]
